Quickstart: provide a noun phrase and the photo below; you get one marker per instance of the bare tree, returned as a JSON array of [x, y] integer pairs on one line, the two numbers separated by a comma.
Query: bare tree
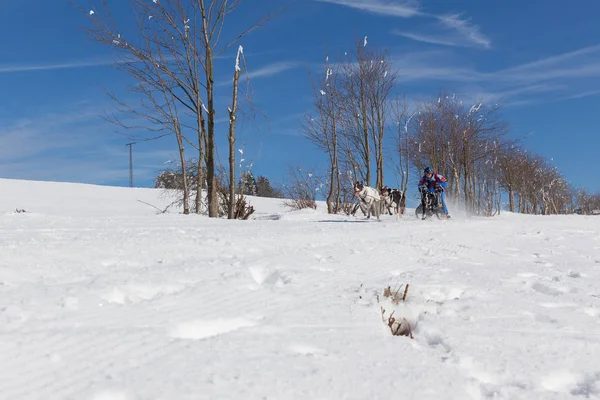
[[368, 79], [457, 142], [322, 126], [587, 203], [157, 107], [509, 161], [487, 178], [381, 79], [429, 138], [302, 189], [231, 136], [181, 39], [355, 106], [402, 121]]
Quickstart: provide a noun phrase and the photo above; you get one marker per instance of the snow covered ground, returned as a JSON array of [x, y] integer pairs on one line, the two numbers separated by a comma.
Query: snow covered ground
[[101, 298]]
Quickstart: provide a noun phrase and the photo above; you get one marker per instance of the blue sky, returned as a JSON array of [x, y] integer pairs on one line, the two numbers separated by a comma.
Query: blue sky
[[540, 58]]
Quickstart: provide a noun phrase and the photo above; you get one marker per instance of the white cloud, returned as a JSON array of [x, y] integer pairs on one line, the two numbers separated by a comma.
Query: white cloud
[[509, 97], [435, 65], [569, 75], [581, 95], [265, 71], [29, 137], [271, 69], [582, 63], [74, 146], [441, 65], [557, 59], [404, 9], [450, 30], [441, 40], [464, 33], [469, 32], [6, 69]]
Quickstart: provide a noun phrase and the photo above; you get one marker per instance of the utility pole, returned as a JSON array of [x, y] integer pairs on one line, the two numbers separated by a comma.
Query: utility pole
[[130, 163]]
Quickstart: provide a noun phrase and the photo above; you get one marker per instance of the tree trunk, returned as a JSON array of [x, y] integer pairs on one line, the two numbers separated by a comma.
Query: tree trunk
[[330, 194], [334, 177], [184, 176], [199, 184], [211, 179], [466, 182], [201, 127], [231, 137], [380, 182], [338, 185], [365, 130]]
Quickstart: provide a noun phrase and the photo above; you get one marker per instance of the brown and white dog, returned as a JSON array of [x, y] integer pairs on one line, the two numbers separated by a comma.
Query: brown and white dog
[[392, 199], [369, 199]]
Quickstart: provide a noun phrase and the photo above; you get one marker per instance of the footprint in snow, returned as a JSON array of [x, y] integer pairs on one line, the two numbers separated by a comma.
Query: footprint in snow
[[478, 371], [70, 303], [545, 289], [482, 383], [588, 386], [544, 318], [13, 316], [434, 339]]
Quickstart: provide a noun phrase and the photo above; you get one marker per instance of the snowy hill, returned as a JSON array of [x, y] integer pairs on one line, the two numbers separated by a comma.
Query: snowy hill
[[75, 199], [101, 298]]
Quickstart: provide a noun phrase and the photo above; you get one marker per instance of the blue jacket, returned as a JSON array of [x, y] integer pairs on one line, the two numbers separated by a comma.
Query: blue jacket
[[436, 179]]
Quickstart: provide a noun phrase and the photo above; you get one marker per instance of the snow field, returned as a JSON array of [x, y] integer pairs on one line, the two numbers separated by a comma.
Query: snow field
[[136, 305]]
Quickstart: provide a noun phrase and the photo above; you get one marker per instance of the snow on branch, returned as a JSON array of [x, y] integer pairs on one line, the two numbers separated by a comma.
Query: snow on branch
[[237, 58], [475, 108]]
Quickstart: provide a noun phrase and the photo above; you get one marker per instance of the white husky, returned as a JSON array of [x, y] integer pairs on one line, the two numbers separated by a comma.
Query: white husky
[[369, 198]]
